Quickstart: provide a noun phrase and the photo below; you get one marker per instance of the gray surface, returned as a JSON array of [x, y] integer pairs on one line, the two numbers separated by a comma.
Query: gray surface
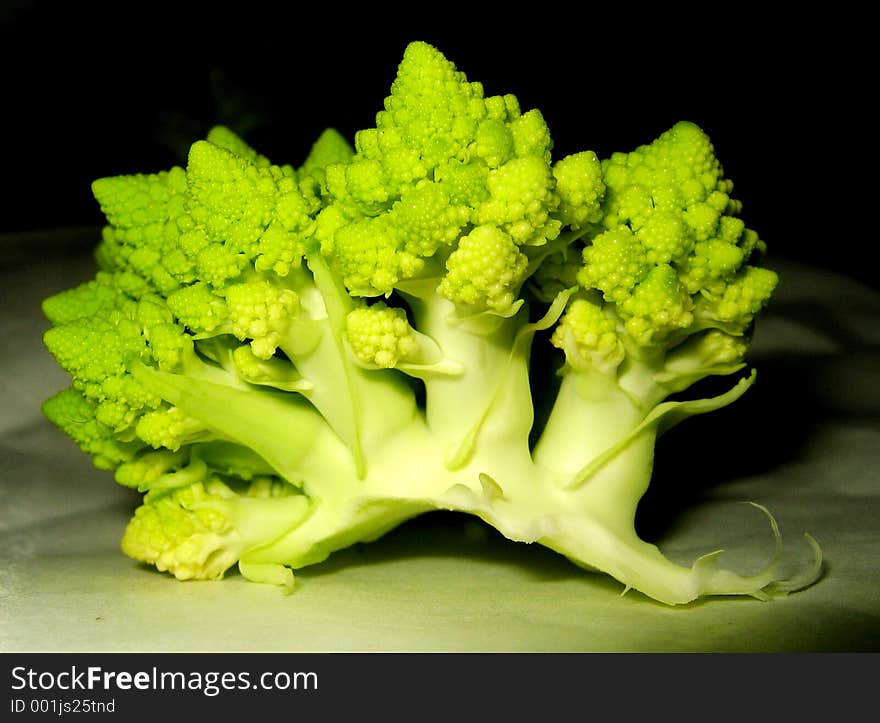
[[805, 442]]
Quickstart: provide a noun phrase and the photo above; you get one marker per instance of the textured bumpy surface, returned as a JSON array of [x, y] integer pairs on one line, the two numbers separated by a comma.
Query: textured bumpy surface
[[289, 360]]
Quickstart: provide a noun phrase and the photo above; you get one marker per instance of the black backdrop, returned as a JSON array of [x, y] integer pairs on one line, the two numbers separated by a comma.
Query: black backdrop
[[91, 90]]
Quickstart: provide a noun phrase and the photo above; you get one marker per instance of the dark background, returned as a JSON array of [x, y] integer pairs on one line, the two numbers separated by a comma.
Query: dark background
[[92, 90]]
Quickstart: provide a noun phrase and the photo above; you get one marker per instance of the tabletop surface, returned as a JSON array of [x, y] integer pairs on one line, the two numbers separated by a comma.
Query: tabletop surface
[[805, 443]]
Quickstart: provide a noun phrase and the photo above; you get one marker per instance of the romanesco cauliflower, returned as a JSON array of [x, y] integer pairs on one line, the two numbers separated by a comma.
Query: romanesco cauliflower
[[288, 360]]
